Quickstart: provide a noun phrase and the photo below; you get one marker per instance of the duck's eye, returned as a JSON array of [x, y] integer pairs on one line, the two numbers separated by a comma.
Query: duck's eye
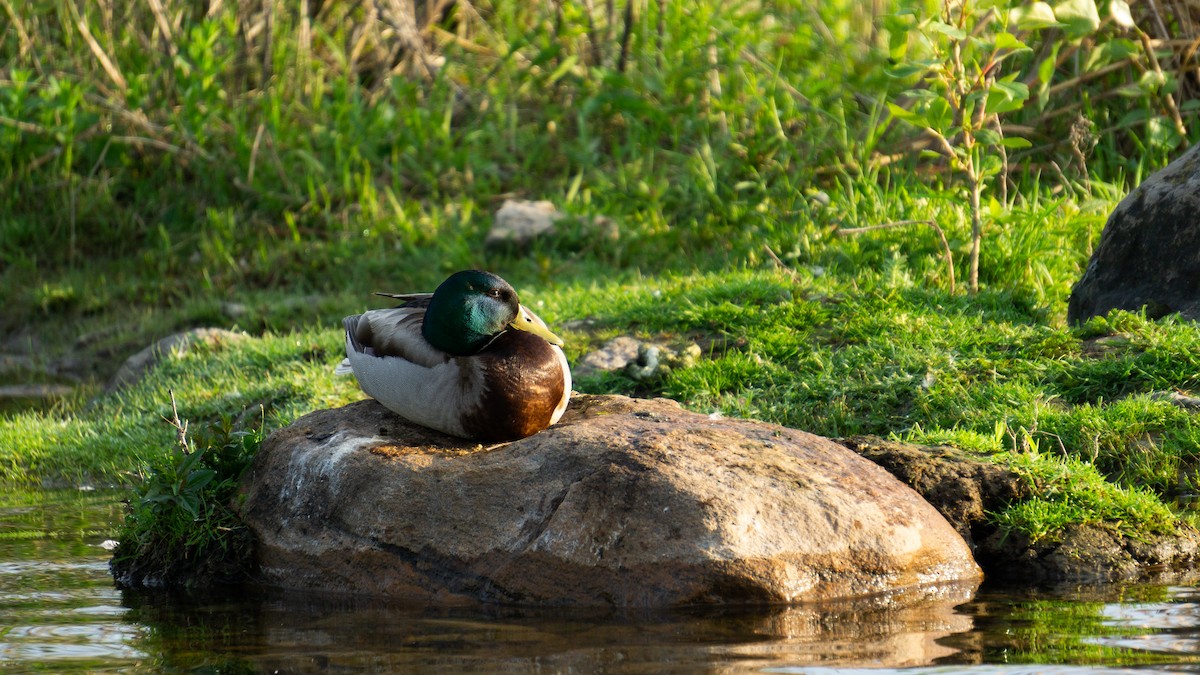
[[493, 292]]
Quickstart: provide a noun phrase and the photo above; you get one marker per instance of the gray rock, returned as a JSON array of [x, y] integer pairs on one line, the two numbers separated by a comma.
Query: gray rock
[[638, 360], [519, 222], [136, 366], [1149, 252], [624, 503], [612, 355]]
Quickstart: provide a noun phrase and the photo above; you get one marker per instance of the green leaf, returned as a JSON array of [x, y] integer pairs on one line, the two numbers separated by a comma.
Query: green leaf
[[904, 71], [1045, 73], [1034, 16], [1151, 81], [990, 165], [198, 479], [1111, 51], [1119, 11], [921, 94], [987, 137], [1015, 142], [946, 29], [1080, 17], [1007, 40], [905, 114], [938, 115], [1006, 95]]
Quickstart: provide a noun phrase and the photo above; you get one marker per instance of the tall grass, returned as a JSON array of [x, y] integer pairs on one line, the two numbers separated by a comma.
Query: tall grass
[[219, 144]]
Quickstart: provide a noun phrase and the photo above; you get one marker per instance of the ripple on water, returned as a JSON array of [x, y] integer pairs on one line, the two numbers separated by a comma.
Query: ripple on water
[[59, 607]]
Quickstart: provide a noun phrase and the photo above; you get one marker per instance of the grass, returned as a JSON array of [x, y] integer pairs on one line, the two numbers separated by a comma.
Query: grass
[[213, 174]]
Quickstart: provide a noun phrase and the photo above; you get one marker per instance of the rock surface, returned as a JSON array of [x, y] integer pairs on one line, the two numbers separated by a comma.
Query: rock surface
[[1149, 252], [625, 503], [520, 222], [962, 488]]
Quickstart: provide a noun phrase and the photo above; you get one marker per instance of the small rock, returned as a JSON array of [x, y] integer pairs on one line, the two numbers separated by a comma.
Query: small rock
[[656, 361], [519, 222], [234, 310], [613, 355], [1182, 400], [639, 360]]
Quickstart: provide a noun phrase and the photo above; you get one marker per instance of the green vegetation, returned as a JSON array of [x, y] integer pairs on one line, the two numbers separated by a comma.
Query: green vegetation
[[182, 529], [265, 169]]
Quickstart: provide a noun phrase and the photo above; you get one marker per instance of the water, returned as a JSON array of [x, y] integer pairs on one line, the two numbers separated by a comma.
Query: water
[[60, 612]]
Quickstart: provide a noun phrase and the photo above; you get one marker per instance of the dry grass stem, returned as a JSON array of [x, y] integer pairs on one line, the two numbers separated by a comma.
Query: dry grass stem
[[1168, 98], [164, 26], [791, 272], [106, 63], [27, 48], [180, 426]]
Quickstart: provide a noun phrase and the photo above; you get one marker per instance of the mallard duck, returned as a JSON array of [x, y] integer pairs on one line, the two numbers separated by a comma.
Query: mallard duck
[[448, 360]]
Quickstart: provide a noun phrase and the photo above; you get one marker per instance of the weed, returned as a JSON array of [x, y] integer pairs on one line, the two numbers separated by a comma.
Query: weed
[[181, 529]]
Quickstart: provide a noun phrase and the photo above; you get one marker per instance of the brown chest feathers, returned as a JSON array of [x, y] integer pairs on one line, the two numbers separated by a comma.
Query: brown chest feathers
[[523, 384]]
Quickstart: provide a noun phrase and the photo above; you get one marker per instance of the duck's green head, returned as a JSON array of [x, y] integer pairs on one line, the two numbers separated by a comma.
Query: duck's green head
[[472, 307]]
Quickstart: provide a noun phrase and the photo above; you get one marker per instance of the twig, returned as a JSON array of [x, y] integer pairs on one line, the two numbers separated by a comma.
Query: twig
[[150, 142], [26, 44], [1158, 21], [1168, 99], [109, 67], [899, 223], [626, 37], [254, 153], [164, 26], [26, 127], [180, 427], [791, 272]]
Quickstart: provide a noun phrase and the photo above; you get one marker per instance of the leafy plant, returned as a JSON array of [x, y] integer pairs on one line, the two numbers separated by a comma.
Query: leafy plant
[[181, 528], [964, 93]]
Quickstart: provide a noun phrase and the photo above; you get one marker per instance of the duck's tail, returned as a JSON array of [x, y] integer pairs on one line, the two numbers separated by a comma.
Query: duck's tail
[[348, 324]]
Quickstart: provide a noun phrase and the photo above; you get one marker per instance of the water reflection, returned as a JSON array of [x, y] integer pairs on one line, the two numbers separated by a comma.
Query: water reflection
[[291, 632], [58, 607], [59, 611]]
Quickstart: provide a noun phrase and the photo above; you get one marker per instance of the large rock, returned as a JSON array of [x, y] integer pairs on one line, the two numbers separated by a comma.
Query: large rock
[[1149, 252], [625, 502]]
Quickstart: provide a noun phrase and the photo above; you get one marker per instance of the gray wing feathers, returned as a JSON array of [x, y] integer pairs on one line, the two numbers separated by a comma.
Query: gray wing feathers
[[393, 332]]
